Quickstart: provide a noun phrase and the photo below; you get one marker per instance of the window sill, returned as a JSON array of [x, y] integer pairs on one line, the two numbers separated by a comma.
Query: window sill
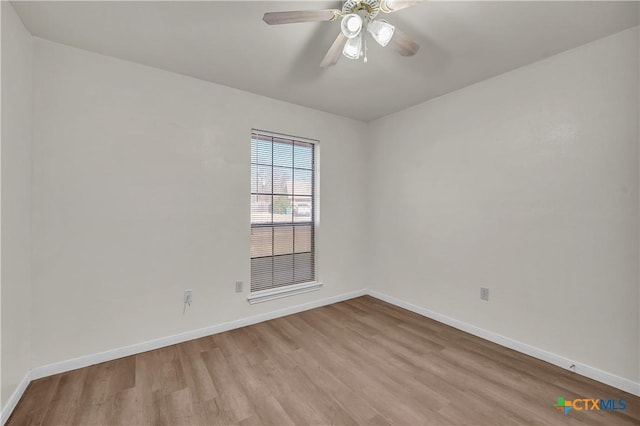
[[277, 293]]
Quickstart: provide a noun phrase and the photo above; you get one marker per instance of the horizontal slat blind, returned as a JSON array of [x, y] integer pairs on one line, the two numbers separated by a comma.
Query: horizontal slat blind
[[282, 211]]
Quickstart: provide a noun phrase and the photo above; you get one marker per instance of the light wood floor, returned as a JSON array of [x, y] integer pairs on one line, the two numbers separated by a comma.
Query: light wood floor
[[362, 361]]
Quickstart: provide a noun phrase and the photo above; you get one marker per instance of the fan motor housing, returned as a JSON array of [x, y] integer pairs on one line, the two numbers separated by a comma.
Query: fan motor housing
[[369, 7]]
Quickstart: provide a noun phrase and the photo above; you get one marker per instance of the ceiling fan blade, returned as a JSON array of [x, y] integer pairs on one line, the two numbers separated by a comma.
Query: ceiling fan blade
[[332, 56], [389, 6], [403, 44], [294, 16]]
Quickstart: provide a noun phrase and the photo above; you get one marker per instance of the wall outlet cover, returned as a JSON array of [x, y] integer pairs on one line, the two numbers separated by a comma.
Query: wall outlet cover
[[484, 293]]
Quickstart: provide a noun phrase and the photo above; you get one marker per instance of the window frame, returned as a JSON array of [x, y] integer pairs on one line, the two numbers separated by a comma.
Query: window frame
[[302, 287]]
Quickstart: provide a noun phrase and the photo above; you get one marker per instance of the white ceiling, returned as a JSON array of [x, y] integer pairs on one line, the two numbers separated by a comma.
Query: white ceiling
[[227, 42]]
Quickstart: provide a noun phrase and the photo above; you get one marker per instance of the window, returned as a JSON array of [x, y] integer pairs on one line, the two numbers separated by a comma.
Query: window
[[282, 212]]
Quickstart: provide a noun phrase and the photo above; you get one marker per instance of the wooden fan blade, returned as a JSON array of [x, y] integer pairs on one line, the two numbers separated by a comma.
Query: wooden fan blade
[[403, 44], [389, 6], [294, 16], [332, 56]]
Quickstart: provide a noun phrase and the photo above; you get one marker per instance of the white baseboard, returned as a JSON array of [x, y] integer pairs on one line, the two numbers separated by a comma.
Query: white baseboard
[[15, 397], [582, 369], [87, 360]]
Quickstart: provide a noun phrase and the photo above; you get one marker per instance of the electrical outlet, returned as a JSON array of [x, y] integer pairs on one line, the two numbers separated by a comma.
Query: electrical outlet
[[484, 293], [188, 296], [238, 286]]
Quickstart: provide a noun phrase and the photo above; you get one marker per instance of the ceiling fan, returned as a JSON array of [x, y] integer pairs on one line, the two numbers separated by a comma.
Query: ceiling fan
[[357, 17]]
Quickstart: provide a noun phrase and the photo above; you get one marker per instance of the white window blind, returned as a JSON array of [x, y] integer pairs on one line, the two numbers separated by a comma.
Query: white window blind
[[282, 211]]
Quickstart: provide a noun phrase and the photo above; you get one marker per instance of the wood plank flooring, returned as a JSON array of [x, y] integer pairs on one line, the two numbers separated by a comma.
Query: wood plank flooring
[[362, 361]]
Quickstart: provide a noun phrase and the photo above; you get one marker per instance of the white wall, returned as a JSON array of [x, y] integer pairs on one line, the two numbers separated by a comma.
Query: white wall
[[141, 190], [17, 106], [526, 183]]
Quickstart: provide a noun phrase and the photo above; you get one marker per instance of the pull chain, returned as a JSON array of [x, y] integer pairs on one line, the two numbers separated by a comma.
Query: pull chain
[[365, 49]]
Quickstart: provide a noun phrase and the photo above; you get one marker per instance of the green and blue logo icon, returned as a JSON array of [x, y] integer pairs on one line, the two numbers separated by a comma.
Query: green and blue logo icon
[[563, 405], [589, 404]]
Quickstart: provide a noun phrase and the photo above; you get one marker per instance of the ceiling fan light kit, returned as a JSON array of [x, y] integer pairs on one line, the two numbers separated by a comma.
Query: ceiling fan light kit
[[351, 25], [381, 31], [357, 15], [353, 48]]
